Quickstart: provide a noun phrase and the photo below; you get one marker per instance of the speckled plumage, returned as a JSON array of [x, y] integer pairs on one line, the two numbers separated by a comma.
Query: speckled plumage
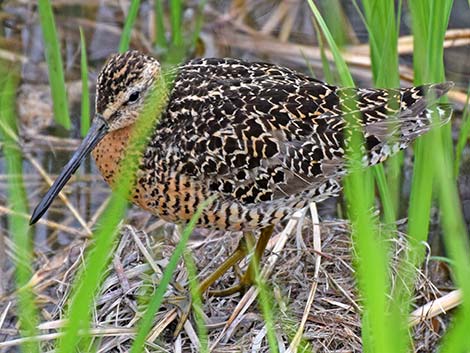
[[263, 139]]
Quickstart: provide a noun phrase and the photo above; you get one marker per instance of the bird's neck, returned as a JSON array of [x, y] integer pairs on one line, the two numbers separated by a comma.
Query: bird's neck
[[110, 151]]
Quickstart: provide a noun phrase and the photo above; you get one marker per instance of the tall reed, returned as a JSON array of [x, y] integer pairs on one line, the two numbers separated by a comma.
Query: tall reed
[[54, 64], [17, 202]]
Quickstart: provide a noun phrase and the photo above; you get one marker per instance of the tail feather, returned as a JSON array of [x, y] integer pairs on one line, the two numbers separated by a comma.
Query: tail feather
[[420, 113]]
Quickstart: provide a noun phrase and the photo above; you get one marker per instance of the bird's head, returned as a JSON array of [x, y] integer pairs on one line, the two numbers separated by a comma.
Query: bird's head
[[123, 85]]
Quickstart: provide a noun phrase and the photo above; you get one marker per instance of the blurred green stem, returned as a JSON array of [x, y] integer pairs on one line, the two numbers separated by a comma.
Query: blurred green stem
[[54, 64], [160, 25], [127, 30], [18, 203]]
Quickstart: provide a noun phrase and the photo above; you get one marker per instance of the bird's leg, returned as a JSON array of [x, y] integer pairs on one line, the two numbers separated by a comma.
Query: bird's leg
[[248, 278], [244, 247], [253, 268], [184, 303], [242, 250]]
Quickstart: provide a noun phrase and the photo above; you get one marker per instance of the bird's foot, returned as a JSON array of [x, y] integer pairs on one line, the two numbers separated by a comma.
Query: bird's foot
[[231, 261], [237, 288], [248, 278], [245, 281]]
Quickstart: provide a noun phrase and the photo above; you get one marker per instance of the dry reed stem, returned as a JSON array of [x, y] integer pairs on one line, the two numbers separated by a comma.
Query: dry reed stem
[[47, 223], [317, 248], [436, 307], [4, 314]]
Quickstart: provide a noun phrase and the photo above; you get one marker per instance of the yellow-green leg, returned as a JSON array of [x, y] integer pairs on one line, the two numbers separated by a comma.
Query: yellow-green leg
[[184, 303], [244, 247], [248, 278], [240, 253]]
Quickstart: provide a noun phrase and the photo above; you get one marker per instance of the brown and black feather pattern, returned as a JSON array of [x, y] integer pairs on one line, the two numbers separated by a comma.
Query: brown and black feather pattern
[[265, 140]]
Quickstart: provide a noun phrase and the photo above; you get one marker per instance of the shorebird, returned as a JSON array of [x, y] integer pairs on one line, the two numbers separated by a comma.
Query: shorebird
[[263, 140]]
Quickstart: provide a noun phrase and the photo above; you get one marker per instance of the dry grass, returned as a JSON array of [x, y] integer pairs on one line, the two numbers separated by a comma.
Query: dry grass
[[332, 324]]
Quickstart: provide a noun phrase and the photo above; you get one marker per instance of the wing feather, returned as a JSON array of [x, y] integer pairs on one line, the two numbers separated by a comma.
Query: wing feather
[[257, 132]]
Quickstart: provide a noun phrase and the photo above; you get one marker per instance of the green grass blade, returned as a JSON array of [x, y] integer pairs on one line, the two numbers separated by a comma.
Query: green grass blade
[[429, 19], [160, 38], [327, 73], [426, 43], [265, 304], [421, 195], [177, 50], [382, 27], [455, 232], [383, 41], [457, 244], [176, 16], [336, 21], [440, 15], [371, 251], [17, 201], [147, 320], [419, 11], [86, 284], [127, 30], [196, 306], [456, 338], [341, 66], [54, 64], [198, 24], [371, 254], [386, 198], [85, 112]]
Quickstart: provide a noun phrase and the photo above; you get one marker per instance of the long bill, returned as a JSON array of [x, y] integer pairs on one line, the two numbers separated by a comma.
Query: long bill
[[97, 131]]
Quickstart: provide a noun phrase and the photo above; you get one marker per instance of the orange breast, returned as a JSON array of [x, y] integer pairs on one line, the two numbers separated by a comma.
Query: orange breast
[[174, 198], [165, 192], [109, 152]]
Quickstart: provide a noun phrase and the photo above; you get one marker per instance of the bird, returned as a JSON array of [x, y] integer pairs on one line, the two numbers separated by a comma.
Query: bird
[[262, 140]]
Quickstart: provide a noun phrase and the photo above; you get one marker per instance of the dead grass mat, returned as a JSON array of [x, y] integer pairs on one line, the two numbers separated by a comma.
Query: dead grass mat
[[313, 292]]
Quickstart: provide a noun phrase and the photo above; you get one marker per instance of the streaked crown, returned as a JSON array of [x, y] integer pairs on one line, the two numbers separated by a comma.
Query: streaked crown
[[122, 86]]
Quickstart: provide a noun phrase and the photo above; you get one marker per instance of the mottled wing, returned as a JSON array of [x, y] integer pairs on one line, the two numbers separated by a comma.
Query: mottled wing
[[256, 132]]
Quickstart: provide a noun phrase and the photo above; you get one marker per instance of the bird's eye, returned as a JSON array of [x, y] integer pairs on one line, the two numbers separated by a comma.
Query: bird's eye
[[133, 97]]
